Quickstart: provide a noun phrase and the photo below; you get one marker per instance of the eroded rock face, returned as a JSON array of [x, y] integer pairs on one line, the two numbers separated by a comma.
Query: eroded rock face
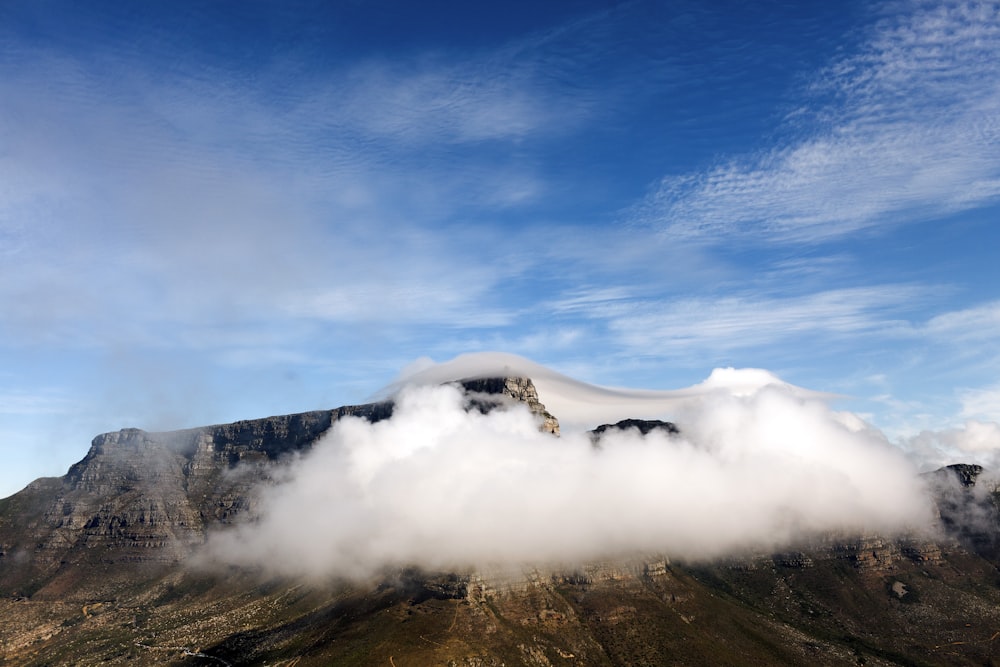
[[963, 473], [485, 392]]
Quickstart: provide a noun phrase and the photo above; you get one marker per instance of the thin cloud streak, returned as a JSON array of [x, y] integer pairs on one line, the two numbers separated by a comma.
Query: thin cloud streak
[[740, 322], [977, 322], [23, 403], [981, 403]]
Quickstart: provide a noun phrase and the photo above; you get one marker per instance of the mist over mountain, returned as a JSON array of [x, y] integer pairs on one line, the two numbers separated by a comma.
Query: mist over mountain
[[756, 465], [459, 520]]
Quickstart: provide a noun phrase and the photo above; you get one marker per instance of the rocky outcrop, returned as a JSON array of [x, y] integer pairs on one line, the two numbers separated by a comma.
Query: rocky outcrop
[[963, 473], [486, 394], [643, 426]]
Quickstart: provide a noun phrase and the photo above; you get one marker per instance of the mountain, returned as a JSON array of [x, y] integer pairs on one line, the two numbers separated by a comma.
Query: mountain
[[95, 569]]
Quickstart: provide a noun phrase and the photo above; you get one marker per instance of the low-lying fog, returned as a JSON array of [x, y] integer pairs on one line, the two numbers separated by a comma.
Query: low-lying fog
[[758, 464]]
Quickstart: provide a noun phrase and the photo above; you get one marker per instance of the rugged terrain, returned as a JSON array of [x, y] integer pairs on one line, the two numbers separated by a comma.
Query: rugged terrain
[[93, 571]]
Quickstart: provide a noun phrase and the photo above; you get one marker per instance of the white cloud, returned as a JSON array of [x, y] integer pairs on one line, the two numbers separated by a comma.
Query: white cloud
[[734, 322], [426, 301], [980, 321], [177, 206], [981, 403], [443, 488], [913, 133], [19, 402], [975, 442], [435, 102], [592, 300]]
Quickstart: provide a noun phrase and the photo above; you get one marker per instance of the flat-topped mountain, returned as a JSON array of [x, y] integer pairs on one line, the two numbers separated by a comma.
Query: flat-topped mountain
[[94, 569]]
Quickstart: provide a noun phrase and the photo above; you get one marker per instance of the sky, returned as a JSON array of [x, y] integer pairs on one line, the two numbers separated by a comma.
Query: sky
[[228, 210]]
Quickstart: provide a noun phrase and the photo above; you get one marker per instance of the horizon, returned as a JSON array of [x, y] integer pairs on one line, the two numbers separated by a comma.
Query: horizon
[[214, 213]]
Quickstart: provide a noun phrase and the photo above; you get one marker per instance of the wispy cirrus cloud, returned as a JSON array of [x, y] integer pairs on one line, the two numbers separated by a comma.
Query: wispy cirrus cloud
[[969, 339], [176, 205], [981, 321], [435, 102], [904, 130], [442, 304], [981, 403], [38, 403], [754, 320]]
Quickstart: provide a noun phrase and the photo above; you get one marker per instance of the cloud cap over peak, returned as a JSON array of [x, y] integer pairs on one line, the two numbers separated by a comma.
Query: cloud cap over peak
[[444, 488]]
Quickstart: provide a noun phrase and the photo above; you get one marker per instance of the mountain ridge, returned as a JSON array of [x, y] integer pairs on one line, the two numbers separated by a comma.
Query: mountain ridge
[[93, 570]]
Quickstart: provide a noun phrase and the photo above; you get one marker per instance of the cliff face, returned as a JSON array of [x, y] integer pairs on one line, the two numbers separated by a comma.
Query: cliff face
[[488, 393], [143, 498], [969, 506]]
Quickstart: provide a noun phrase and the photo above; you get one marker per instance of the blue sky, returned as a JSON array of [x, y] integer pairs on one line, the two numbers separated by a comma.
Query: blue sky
[[216, 211]]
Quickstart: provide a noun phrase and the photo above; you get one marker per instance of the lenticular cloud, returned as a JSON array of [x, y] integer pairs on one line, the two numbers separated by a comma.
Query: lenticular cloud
[[758, 464]]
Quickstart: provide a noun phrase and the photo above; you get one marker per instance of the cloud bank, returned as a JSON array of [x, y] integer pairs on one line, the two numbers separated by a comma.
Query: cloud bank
[[758, 465]]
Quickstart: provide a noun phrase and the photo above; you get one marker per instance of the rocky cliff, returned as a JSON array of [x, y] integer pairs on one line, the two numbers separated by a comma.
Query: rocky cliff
[[488, 393], [146, 498]]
